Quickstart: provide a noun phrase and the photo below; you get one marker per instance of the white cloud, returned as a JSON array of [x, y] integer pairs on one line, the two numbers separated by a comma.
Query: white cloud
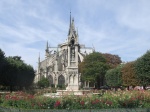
[[134, 14], [117, 27]]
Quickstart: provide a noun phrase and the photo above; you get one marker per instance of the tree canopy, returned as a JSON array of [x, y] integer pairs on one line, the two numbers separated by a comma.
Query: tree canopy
[[112, 60], [113, 77], [93, 68], [2, 64], [129, 76], [142, 68], [16, 73]]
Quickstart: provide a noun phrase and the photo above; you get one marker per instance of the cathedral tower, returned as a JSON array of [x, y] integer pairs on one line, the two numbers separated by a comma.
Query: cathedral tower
[[73, 49]]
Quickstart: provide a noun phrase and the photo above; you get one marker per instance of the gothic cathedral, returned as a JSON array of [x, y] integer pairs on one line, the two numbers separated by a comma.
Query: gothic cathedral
[[60, 65]]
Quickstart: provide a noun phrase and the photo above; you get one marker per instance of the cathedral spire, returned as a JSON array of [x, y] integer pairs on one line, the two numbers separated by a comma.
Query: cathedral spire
[[47, 50], [69, 24], [47, 46], [72, 34], [70, 19], [39, 58], [72, 24]]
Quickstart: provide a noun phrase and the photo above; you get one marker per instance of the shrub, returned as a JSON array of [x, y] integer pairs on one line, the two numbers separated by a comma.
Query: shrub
[[109, 99], [44, 82]]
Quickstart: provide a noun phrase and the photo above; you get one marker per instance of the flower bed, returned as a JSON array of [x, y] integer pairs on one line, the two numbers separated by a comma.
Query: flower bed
[[109, 100]]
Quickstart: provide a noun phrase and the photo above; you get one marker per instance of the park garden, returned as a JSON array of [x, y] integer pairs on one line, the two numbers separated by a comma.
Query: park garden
[[103, 100], [104, 70]]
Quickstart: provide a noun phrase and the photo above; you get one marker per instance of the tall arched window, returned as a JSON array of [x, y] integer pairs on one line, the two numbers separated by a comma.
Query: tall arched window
[[50, 79], [61, 80]]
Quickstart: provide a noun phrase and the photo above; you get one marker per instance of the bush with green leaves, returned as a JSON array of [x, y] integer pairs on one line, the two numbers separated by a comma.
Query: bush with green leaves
[[113, 77], [43, 83]]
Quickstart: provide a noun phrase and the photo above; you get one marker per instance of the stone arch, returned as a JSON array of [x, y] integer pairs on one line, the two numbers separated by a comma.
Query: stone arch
[[61, 80], [50, 79]]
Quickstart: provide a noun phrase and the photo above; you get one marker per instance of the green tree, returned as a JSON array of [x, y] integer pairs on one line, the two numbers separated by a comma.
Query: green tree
[[93, 68], [2, 64], [16, 73], [44, 82], [142, 68], [114, 77], [129, 76]]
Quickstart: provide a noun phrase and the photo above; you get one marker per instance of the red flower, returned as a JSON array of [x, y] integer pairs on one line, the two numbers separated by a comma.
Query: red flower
[[30, 97], [95, 101], [57, 103], [82, 103]]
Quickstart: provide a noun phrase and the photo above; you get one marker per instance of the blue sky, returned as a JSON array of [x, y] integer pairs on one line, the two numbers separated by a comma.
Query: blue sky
[[119, 27]]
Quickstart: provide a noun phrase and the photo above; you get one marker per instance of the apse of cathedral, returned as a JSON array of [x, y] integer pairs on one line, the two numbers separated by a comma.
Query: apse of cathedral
[[60, 65]]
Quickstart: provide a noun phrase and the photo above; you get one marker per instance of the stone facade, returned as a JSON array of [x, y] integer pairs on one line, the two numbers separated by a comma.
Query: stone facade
[[60, 65]]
